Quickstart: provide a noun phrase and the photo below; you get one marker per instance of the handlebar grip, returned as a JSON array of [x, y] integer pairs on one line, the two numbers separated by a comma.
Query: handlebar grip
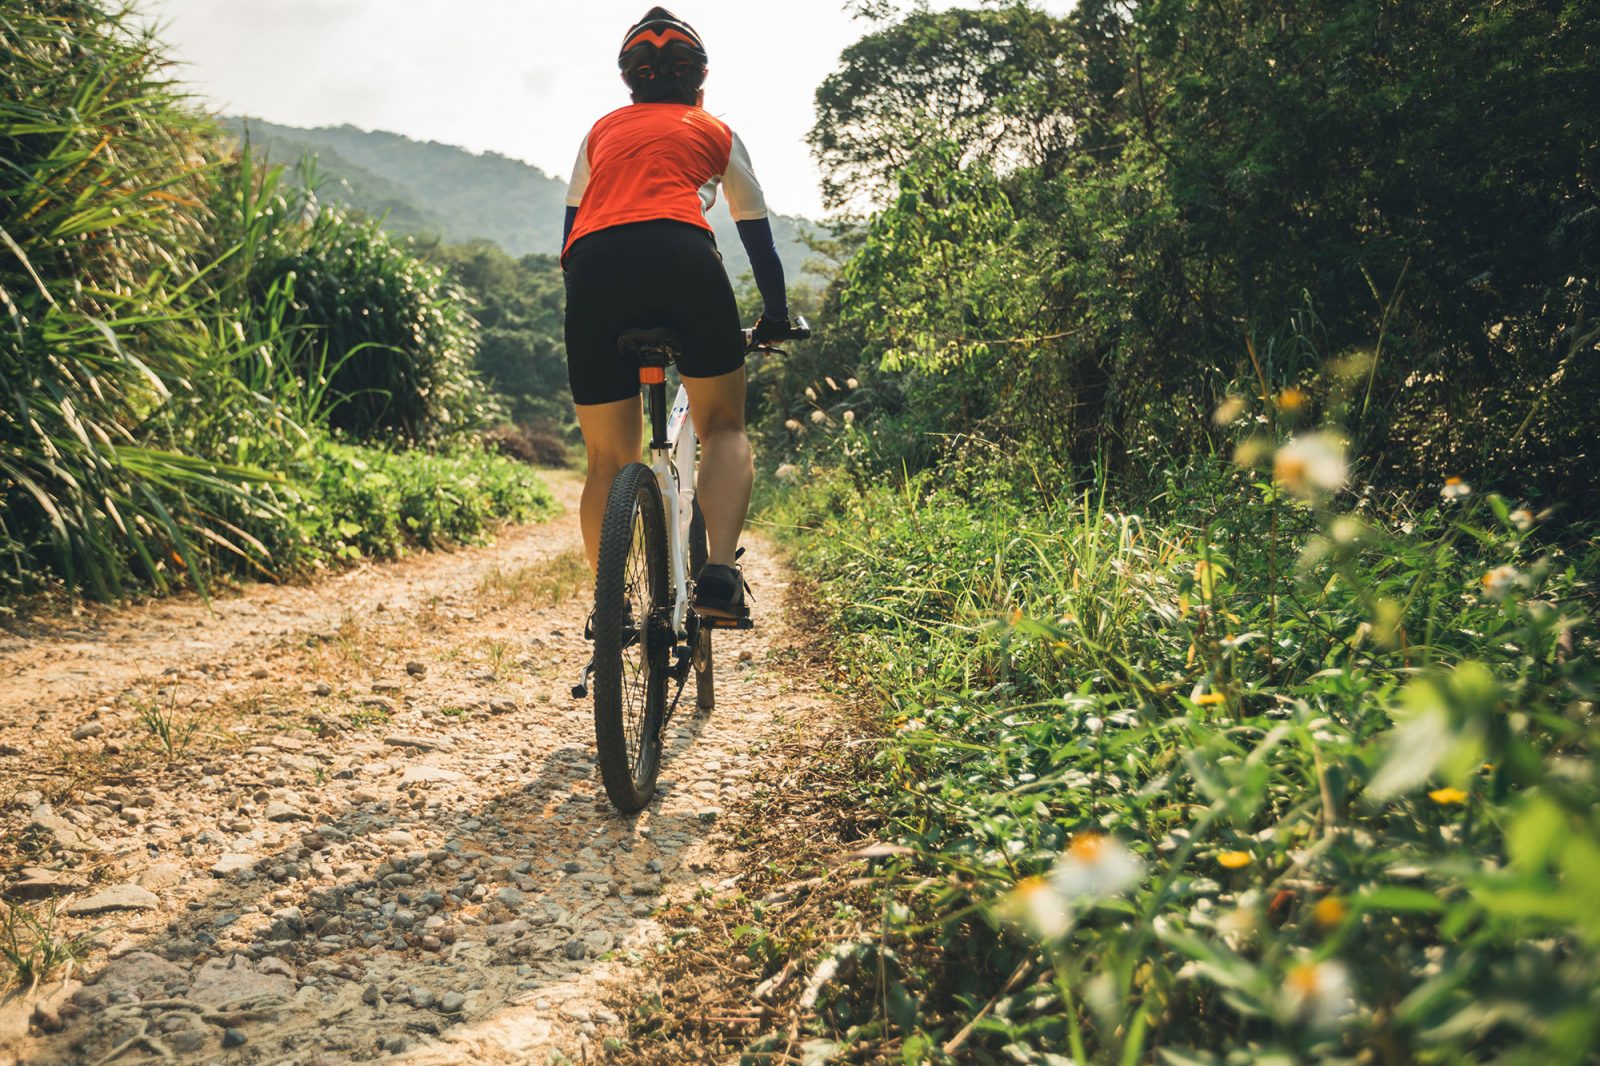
[[801, 330]]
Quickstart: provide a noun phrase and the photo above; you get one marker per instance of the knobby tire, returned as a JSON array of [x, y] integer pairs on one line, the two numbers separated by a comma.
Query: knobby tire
[[630, 661]]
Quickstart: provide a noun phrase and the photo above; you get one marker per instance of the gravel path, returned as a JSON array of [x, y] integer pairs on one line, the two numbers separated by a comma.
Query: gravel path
[[358, 820]]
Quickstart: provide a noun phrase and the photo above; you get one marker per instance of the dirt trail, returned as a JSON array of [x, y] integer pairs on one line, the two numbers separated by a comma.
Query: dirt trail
[[358, 820]]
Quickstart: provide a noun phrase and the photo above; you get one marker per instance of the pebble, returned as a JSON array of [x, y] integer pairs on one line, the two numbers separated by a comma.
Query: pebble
[[452, 1002], [416, 669], [234, 864], [88, 730], [574, 949], [233, 1038], [406, 740], [116, 898]]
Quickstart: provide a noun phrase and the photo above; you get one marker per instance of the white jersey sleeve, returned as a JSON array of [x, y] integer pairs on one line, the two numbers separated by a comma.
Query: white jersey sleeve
[[739, 184], [580, 175]]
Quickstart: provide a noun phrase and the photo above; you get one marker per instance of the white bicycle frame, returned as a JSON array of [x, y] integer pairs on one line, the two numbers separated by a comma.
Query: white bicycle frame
[[674, 467]]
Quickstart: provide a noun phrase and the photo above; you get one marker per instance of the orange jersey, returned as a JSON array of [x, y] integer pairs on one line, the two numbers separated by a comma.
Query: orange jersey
[[648, 162]]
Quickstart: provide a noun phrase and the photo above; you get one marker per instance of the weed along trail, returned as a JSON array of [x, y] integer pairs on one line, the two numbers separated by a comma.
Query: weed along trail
[[357, 820]]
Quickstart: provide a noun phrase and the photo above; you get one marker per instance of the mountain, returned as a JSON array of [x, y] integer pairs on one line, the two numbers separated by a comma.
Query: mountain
[[426, 188]]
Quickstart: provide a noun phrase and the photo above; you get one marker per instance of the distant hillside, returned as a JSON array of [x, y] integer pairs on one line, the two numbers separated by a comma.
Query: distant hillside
[[433, 189]]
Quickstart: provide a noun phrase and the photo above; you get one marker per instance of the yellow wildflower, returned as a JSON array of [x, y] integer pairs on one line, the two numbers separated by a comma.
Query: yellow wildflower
[[1329, 911], [1446, 796], [1291, 400], [1210, 699], [1233, 860]]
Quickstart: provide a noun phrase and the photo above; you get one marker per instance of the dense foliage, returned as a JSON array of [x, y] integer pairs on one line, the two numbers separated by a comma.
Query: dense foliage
[[1200, 471], [1112, 204], [1255, 782], [180, 329]]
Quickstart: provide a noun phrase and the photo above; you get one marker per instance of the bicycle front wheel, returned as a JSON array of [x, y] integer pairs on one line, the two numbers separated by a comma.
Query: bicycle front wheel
[[632, 638]]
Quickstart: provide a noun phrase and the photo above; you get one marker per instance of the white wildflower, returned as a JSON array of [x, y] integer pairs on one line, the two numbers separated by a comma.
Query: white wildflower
[[1310, 464], [1228, 411], [811, 394], [1095, 866], [1500, 582], [786, 471], [1318, 993], [793, 425], [832, 384], [849, 417], [852, 383], [819, 416], [1455, 489], [1522, 518], [1039, 906]]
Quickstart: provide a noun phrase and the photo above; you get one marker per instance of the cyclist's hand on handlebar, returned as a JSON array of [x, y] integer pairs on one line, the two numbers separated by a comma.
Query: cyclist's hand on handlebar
[[771, 329]]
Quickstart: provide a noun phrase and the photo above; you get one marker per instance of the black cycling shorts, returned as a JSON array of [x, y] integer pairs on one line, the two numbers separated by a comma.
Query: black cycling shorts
[[647, 275]]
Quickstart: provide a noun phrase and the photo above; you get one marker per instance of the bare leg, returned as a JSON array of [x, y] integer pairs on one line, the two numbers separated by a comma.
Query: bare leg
[[613, 436], [726, 469]]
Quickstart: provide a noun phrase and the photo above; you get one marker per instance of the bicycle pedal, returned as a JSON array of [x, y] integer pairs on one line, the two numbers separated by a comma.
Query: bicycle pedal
[[727, 623], [581, 689]]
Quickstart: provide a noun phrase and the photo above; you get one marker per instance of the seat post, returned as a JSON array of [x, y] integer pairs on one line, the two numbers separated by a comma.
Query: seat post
[[654, 381]]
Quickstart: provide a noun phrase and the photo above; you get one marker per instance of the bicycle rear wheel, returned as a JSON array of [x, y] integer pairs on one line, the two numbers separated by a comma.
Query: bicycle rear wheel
[[704, 681], [632, 638]]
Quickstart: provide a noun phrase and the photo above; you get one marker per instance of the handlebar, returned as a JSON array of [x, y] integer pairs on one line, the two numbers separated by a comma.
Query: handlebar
[[798, 331]]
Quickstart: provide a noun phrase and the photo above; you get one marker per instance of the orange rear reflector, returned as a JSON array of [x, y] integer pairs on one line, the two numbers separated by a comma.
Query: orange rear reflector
[[652, 375]]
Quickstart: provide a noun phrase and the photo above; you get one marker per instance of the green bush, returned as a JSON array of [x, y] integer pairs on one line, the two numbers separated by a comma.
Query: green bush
[[387, 335], [353, 500], [1260, 779]]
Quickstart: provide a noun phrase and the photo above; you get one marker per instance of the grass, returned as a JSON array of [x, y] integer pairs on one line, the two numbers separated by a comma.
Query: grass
[[545, 583], [172, 731], [1291, 778], [31, 948]]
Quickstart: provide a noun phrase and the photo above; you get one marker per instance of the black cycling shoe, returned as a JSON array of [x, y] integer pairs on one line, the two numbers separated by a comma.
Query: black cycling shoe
[[719, 592]]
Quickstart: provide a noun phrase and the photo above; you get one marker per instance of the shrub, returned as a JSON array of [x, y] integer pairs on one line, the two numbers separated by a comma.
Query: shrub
[[1257, 778]]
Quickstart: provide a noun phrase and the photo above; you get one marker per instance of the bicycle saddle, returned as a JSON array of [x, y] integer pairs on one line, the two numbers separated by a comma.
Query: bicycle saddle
[[641, 344]]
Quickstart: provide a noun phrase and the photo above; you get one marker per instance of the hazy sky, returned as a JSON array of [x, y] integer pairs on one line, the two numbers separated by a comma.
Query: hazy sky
[[525, 78]]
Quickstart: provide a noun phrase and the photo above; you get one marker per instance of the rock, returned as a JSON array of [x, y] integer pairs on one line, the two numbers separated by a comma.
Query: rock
[[62, 833], [640, 909], [502, 706], [708, 815], [222, 982], [322, 688], [161, 875], [371, 996], [416, 669], [116, 898], [572, 867], [234, 864], [452, 1002], [420, 998], [34, 882], [88, 730], [377, 703], [279, 811], [141, 971], [511, 897], [187, 1041], [232, 1038], [574, 949], [131, 815], [259, 673], [429, 775], [406, 740]]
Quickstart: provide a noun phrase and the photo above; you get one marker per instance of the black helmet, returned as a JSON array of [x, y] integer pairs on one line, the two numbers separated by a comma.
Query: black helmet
[[662, 58]]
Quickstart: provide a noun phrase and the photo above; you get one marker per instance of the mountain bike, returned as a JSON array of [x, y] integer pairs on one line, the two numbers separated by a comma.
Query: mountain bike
[[647, 640]]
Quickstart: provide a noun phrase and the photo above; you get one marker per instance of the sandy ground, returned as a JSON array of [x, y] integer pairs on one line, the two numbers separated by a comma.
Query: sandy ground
[[357, 820]]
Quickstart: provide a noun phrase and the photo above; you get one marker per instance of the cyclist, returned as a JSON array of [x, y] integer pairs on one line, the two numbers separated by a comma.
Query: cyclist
[[639, 254]]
